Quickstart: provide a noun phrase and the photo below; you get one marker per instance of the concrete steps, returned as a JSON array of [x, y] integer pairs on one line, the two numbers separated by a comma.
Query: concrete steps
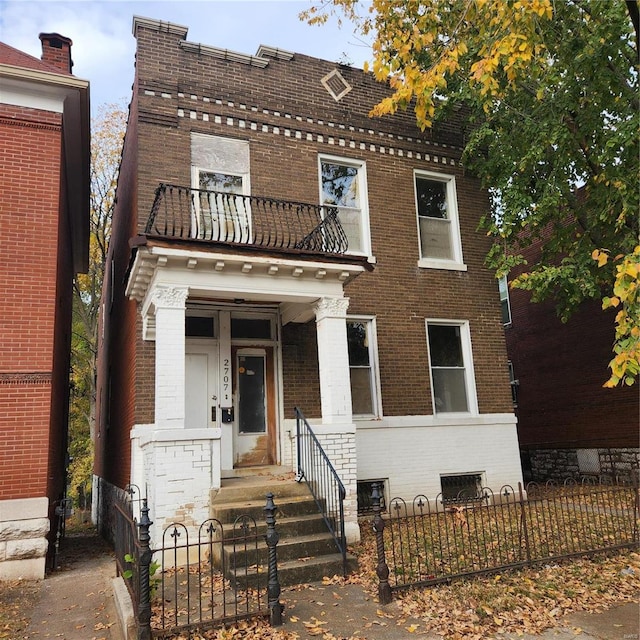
[[306, 550]]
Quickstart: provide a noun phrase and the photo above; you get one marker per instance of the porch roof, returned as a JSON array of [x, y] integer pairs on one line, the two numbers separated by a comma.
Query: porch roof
[[292, 279]]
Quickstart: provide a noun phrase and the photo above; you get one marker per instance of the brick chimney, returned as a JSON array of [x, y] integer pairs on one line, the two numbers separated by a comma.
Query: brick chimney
[[56, 50]]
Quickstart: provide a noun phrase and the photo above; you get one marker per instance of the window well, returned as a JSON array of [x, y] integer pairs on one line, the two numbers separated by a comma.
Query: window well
[[465, 487], [365, 489]]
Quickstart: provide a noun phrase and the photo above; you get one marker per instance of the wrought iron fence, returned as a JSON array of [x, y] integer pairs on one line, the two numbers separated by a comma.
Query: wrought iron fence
[[426, 541], [214, 216], [200, 579], [315, 468]]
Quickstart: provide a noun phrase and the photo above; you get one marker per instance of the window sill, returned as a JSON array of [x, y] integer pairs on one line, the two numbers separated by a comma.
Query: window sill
[[448, 265], [363, 254]]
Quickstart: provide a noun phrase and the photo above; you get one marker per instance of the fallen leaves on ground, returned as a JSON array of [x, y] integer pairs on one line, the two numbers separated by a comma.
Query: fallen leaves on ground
[[17, 597], [527, 601], [517, 602]]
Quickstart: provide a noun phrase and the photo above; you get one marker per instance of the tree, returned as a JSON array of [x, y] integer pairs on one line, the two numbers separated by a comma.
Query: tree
[[551, 90], [106, 144]]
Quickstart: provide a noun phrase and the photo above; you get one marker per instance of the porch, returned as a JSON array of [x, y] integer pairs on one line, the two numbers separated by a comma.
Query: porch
[[217, 277]]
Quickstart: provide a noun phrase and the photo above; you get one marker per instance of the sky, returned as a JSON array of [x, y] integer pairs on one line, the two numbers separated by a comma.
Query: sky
[[104, 48]]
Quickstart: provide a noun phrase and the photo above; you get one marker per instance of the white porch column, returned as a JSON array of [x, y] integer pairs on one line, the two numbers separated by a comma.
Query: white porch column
[[170, 303], [337, 433], [333, 360]]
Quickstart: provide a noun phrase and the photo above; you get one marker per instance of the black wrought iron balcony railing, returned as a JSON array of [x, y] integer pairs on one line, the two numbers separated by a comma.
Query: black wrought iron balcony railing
[[214, 216]]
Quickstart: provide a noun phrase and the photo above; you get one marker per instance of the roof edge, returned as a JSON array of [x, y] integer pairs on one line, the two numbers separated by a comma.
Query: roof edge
[[265, 51], [49, 77], [159, 25], [224, 54]]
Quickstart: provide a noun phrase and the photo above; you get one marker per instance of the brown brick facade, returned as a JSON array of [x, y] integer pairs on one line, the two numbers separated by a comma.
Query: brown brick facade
[[289, 119], [562, 405]]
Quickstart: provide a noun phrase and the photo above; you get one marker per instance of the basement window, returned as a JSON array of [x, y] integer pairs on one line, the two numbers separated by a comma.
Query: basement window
[[465, 487], [365, 489]]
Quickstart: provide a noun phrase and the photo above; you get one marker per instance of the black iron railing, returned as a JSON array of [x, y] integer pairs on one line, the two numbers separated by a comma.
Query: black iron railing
[[214, 216], [315, 468], [197, 579], [425, 542]]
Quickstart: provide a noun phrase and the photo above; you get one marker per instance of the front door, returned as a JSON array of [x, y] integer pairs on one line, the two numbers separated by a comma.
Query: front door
[[201, 391], [254, 442]]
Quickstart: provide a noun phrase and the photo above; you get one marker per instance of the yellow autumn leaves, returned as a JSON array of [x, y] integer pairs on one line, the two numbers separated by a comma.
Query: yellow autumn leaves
[[625, 366]]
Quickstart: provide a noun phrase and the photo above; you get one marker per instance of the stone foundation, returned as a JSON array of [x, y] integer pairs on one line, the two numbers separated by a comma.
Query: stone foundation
[[24, 525], [562, 464]]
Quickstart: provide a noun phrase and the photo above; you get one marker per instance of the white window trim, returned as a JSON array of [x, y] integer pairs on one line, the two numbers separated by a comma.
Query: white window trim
[[457, 263], [246, 191], [375, 369], [469, 371], [365, 228], [195, 177], [507, 298]]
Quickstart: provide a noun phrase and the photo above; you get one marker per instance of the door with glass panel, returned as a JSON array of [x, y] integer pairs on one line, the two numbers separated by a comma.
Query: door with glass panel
[[221, 212], [254, 437]]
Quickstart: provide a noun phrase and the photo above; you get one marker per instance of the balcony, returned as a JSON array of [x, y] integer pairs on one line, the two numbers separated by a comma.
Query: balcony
[[182, 213]]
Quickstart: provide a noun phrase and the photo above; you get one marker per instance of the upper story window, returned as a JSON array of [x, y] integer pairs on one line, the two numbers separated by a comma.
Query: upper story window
[[363, 367], [343, 184], [438, 229], [452, 377], [503, 286]]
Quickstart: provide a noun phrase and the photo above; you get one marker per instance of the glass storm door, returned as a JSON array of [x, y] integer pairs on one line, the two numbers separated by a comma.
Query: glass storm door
[[201, 370]]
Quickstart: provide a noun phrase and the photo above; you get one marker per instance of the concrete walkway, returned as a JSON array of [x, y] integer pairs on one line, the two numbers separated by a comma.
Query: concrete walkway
[[77, 603]]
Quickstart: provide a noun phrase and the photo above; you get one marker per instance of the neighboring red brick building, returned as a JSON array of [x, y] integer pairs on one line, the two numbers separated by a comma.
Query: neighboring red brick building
[[568, 423], [44, 227], [230, 299]]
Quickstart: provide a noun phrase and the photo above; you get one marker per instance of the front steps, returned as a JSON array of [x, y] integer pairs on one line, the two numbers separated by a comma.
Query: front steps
[[306, 551]]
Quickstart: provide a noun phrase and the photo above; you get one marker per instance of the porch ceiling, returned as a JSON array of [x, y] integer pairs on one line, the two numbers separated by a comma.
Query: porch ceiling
[[293, 281]]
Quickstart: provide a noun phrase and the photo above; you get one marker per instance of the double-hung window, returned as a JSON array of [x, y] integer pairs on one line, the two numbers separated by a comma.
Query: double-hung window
[[452, 378], [363, 367], [438, 230], [343, 184]]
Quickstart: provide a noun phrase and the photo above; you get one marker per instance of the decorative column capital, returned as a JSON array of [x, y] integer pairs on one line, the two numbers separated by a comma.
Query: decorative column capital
[[331, 308], [170, 297]]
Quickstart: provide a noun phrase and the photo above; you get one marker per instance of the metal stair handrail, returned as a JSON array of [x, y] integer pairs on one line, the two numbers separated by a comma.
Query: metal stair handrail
[[315, 468]]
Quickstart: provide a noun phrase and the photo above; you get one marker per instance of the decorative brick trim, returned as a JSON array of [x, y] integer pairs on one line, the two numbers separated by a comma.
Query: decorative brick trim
[[14, 122], [26, 378], [205, 116]]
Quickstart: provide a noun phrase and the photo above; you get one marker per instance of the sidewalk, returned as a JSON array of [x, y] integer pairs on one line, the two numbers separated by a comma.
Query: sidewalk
[[77, 603], [346, 611]]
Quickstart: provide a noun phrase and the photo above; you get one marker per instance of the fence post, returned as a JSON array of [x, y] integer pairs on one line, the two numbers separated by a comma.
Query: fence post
[[144, 604], [382, 570], [273, 585], [523, 520]]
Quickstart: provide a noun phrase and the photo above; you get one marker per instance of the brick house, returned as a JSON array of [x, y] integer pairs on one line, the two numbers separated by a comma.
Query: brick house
[[568, 423], [232, 296], [44, 229]]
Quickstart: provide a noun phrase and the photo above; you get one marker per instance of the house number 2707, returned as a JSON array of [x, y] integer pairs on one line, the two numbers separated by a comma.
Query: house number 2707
[[225, 378]]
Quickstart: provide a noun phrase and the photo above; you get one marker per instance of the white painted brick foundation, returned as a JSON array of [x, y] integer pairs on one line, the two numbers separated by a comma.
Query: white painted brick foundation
[[179, 469], [413, 452]]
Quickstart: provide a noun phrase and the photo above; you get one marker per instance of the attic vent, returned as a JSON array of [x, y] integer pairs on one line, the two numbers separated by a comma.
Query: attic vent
[[336, 85]]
